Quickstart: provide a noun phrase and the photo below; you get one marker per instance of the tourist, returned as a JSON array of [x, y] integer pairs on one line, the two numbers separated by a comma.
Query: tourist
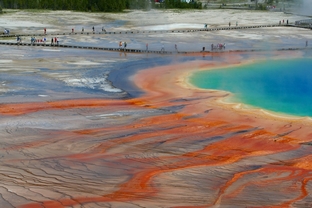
[[82, 30], [204, 49], [6, 31], [55, 40], [93, 28], [176, 47], [287, 22], [306, 43], [33, 40], [45, 30], [229, 24], [212, 47], [18, 39], [162, 48], [120, 44], [52, 42], [72, 30], [125, 45], [236, 23]]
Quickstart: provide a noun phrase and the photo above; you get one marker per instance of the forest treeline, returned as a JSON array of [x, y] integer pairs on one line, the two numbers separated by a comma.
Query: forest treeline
[[96, 5]]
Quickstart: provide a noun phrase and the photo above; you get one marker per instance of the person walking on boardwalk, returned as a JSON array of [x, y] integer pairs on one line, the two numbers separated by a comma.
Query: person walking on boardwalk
[[52, 41], [176, 47], [162, 48], [18, 39], [32, 40], [120, 44], [82, 30], [125, 45], [93, 28], [72, 30], [45, 31], [229, 24]]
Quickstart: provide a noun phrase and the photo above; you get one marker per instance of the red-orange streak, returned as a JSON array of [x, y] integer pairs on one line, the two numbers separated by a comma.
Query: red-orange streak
[[176, 133], [15, 109], [216, 154]]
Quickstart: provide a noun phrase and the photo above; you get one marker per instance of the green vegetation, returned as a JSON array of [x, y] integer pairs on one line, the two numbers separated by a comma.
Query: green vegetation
[[79, 5], [182, 5], [261, 7], [95, 5]]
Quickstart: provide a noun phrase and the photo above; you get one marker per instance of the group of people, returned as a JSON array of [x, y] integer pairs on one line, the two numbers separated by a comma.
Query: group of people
[[34, 40], [206, 25], [235, 24], [162, 49], [93, 29], [218, 46], [124, 44], [54, 41], [73, 30], [282, 22]]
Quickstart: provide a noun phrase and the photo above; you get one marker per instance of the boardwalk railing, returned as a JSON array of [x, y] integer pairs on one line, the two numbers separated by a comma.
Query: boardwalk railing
[[304, 22]]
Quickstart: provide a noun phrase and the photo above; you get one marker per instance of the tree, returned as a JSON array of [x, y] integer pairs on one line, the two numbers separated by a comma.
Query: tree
[[94, 5]]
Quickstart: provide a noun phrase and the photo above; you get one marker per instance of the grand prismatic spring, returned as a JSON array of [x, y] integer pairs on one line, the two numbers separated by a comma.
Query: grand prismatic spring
[[276, 85], [91, 128]]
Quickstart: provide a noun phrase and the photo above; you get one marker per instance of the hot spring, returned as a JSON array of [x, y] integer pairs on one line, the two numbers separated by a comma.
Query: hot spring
[[282, 86]]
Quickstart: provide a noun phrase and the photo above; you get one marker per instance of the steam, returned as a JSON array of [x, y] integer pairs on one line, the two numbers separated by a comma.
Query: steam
[[303, 7]]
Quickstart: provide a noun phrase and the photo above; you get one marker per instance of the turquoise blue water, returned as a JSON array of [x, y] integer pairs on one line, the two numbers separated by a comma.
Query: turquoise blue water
[[283, 86]]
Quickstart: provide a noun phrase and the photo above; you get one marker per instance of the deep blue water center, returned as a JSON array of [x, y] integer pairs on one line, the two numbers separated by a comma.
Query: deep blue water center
[[283, 86]]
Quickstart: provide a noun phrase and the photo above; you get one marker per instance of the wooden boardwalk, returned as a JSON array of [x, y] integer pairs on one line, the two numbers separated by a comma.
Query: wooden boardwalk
[[89, 48], [158, 31], [38, 44], [129, 50]]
